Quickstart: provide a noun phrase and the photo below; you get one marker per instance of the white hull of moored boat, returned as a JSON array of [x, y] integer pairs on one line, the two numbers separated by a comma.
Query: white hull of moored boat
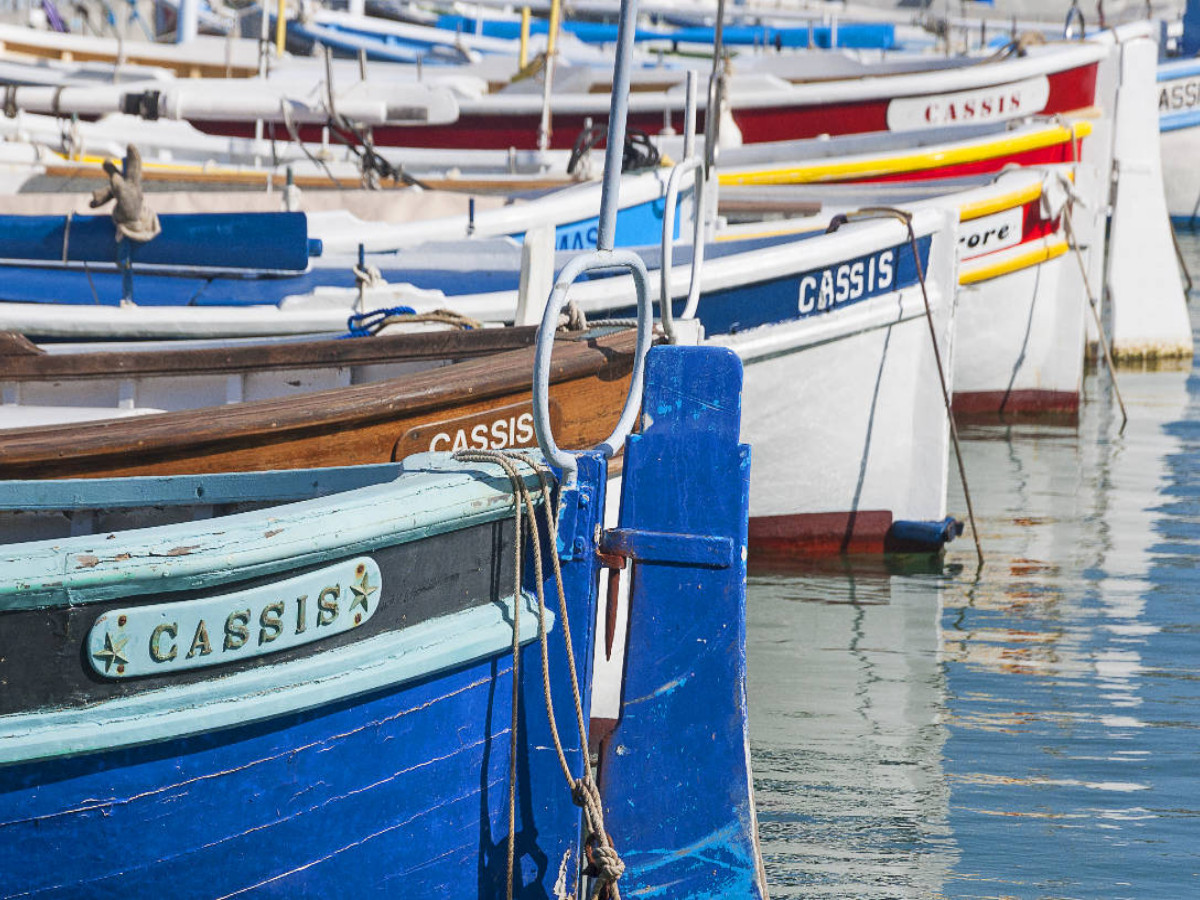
[[1019, 341], [1181, 176], [847, 418]]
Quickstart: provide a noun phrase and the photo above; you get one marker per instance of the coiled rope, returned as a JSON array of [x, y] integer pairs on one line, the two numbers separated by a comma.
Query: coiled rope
[[370, 323], [607, 866]]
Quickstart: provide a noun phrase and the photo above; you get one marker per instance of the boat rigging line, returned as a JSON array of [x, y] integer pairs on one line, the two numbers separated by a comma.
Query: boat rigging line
[[879, 212]]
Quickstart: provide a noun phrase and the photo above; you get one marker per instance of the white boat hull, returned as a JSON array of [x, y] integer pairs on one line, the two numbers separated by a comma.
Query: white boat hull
[[1020, 343]]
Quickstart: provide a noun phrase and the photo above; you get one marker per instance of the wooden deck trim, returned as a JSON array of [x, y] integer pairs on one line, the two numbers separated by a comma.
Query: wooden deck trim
[[21, 360]]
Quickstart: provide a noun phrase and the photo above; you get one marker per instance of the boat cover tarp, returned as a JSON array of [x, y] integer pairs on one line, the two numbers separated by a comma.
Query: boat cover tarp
[[253, 242]]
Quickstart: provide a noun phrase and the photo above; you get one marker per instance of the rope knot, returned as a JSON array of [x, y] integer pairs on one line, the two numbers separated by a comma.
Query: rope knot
[[609, 866], [573, 319], [581, 791]]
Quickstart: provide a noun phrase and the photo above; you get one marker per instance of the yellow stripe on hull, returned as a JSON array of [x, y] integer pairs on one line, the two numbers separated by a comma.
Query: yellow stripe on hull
[[899, 164], [1020, 257]]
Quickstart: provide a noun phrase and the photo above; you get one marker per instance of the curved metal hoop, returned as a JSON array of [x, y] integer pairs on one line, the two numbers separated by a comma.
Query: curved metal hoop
[[1074, 13], [695, 165], [598, 259]]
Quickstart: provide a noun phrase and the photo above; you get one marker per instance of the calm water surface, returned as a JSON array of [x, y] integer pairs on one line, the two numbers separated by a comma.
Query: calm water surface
[[1029, 731]]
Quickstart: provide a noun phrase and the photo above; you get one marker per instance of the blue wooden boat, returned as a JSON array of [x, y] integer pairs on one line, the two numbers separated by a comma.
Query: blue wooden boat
[[255, 261], [317, 698]]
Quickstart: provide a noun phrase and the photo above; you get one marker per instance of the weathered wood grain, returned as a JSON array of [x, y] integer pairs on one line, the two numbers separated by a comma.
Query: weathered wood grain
[[344, 426], [21, 360]]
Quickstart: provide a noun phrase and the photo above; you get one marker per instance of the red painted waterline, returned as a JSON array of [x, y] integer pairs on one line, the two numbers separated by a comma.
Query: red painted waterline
[[1008, 405], [1070, 90], [818, 534]]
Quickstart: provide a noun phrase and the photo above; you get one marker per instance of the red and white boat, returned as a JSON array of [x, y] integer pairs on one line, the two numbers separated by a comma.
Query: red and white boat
[[791, 97]]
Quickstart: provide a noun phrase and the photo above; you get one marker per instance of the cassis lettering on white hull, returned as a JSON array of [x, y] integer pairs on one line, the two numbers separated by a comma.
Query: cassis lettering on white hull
[[847, 282]]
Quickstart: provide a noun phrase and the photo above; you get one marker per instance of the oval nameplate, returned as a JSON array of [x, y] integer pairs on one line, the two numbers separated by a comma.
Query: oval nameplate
[[990, 104], [189, 634]]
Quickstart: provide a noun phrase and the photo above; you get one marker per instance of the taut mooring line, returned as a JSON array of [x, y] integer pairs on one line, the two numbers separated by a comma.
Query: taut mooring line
[[871, 212], [1104, 341]]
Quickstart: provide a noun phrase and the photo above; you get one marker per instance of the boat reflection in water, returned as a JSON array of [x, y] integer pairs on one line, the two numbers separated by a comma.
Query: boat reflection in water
[[847, 693], [1023, 731], [1059, 773]]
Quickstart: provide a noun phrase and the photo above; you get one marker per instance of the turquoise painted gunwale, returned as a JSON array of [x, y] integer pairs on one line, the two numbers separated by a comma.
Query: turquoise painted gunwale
[[385, 661], [281, 486], [433, 495]]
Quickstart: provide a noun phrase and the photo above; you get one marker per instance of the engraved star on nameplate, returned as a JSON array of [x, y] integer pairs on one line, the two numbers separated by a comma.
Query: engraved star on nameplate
[[362, 592], [113, 652]]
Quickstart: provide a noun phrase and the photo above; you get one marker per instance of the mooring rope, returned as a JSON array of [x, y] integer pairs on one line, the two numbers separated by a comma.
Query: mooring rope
[[906, 218], [294, 134], [1093, 301], [608, 866], [1182, 264], [1095, 307], [374, 321]]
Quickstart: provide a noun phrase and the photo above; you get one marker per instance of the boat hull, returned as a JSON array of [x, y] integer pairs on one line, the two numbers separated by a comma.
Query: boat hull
[[843, 451], [758, 119], [1019, 344]]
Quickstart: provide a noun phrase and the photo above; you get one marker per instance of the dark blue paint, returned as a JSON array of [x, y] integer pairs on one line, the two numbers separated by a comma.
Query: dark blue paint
[[767, 302], [674, 773], [249, 241], [662, 547], [921, 537]]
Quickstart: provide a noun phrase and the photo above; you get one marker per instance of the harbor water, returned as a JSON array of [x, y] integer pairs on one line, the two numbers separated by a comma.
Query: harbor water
[[1025, 731]]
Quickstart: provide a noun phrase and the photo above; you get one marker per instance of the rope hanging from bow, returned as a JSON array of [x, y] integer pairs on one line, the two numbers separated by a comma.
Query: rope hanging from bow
[[605, 865]]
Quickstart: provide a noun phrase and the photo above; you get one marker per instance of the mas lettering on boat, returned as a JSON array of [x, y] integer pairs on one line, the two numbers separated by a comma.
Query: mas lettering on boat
[[991, 104], [987, 234], [151, 640]]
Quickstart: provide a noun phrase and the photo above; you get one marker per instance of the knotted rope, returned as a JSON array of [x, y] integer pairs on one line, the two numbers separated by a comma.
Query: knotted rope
[[606, 863], [369, 323], [133, 218]]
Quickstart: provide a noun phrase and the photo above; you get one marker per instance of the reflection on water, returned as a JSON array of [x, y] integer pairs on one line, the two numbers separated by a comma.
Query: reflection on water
[[1033, 731], [847, 698]]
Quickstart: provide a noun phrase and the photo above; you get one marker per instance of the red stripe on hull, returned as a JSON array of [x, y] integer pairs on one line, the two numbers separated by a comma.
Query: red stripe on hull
[[985, 406], [1052, 155], [818, 534], [1070, 90]]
